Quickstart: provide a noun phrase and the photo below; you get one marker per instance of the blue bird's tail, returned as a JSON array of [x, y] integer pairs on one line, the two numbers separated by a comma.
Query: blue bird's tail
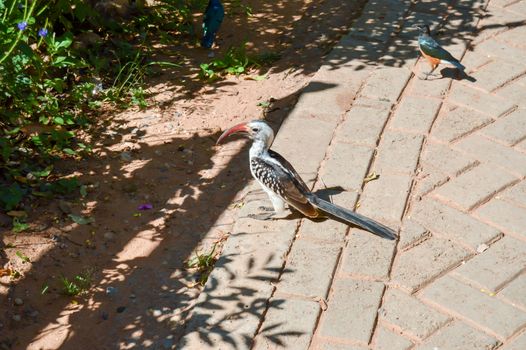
[[456, 64]]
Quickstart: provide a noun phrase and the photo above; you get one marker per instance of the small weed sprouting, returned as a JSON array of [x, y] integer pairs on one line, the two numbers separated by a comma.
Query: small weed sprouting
[[234, 62], [19, 225], [79, 285], [22, 256], [203, 263]]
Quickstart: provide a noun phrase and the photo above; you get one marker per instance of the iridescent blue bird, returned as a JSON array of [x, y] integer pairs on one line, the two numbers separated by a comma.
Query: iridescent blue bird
[[433, 52], [212, 20]]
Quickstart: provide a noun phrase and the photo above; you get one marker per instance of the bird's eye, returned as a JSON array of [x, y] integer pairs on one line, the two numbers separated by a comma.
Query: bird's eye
[[255, 129]]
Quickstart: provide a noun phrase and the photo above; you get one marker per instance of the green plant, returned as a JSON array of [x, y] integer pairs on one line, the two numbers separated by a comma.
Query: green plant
[[235, 61], [203, 263], [79, 285], [19, 225], [22, 256]]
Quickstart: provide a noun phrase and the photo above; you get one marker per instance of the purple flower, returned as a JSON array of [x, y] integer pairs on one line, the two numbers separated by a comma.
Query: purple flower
[[146, 206], [22, 25], [42, 32]]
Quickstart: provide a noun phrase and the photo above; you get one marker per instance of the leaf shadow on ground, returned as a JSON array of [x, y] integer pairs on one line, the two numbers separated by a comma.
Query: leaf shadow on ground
[[191, 207]]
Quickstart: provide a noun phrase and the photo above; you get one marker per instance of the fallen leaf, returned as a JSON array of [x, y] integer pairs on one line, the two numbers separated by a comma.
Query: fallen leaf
[[5, 272], [81, 220], [371, 177], [17, 213]]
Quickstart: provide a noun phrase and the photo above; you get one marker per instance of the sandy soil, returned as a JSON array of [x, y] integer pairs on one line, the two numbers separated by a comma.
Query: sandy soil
[[165, 156]]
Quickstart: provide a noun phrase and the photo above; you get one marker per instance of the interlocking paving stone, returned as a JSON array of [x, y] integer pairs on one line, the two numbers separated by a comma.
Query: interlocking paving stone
[[514, 93], [398, 152], [497, 265], [474, 186], [455, 121], [514, 291], [367, 255], [420, 87], [489, 151], [517, 344], [382, 205], [499, 50], [309, 268], [387, 340], [336, 346], [386, 84], [410, 314], [411, 232], [346, 165], [424, 262], [478, 100], [328, 230], [496, 74], [277, 330], [509, 129], [295, 142], [445, 159], [415, 114], [480, 308], [515, 194], [452, 223], [459, 336], [351, 312], [363, 124], [506, 216]]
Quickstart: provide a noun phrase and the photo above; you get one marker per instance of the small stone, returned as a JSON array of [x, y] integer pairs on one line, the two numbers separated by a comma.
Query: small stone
[[126, 156], [110, 236], [121, 309], [111, 291], [156, 313], [211, 54], [482, 248], [17, 318], [168, 342], [133, 296], [33, 313], [105, 315], [65, 207], [18, 301]]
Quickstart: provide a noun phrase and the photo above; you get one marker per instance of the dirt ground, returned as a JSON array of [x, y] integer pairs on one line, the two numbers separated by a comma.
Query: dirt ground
[[165, 156]]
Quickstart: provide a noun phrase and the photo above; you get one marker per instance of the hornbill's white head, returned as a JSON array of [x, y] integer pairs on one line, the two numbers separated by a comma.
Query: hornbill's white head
[[257, 130]]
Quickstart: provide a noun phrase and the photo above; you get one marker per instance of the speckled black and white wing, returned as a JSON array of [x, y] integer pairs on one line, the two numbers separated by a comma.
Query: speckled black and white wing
[[277, 175]]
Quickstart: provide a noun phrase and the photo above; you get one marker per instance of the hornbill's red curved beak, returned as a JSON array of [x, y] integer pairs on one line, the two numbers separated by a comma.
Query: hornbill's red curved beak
[[239, 128]]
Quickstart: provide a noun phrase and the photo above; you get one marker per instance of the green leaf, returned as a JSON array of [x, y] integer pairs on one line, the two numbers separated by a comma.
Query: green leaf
[[58, 120], [19, 226], [22, 256], [83, 190], [69, 151], [11, 196], [81, 220]]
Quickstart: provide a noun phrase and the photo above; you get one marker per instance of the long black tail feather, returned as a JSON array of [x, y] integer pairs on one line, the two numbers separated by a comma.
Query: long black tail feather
[[352, 217]]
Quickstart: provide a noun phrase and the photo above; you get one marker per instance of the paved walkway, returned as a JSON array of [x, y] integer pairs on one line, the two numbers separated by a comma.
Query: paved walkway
[[451, 155]]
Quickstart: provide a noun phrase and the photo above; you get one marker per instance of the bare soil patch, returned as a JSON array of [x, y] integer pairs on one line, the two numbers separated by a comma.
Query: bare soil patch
[[165, 156]]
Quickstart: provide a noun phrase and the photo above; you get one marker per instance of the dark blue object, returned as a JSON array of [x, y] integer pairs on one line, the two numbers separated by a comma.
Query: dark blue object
[[212, 20]]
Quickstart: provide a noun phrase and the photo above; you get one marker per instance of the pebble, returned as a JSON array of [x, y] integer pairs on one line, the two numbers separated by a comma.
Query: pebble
[[126, 156], [105, 315], [34, 313], [111, 291], [156, 313], [18, 301], [17, 318], [168, 342], [133, 296], [121, 309], [110, 236]]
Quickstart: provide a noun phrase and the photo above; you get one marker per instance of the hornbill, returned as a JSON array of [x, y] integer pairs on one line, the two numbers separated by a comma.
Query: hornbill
[[433, 52], [283, 184]]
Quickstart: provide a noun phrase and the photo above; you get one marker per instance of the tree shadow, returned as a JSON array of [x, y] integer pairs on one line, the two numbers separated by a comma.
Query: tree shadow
[[189, 198]]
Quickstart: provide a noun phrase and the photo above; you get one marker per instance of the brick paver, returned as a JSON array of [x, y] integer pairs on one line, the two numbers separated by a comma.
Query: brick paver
[[451, 155]]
